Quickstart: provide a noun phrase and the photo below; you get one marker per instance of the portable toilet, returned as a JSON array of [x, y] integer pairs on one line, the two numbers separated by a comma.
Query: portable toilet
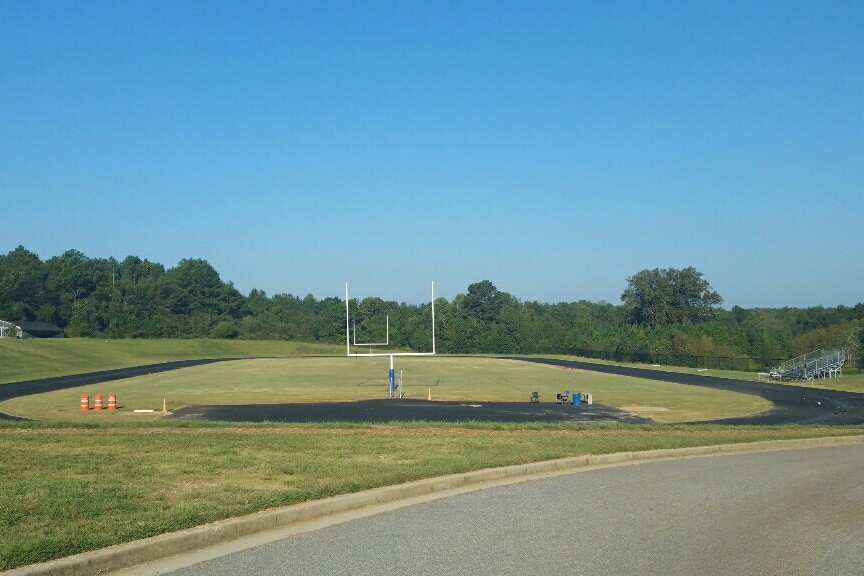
[[577, 398], [588, 398]]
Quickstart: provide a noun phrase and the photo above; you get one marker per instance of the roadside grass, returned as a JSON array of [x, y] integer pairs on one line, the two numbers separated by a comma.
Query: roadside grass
[[69, 488], [43, 358], [331, 379]]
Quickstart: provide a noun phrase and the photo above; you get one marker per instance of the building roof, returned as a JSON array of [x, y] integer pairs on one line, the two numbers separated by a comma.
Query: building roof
[[37, 327]]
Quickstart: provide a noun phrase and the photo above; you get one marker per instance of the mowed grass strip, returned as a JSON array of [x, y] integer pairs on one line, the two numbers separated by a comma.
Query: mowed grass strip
[[44, 358], [65, 490], [302, 380]]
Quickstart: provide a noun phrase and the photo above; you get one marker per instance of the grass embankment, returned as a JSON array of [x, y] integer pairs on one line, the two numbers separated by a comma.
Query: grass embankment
[[66, 489], [40, 358], [284, 380], [850, 382]]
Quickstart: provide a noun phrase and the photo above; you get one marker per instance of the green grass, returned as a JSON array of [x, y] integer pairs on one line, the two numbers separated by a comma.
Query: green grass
[[107, 478], [849, 382], [66, 489], [41, 358], [283, 380]]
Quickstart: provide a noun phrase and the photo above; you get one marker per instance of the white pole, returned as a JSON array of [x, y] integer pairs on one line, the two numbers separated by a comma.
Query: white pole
[[390, 377], [433, 317], [347, 330]]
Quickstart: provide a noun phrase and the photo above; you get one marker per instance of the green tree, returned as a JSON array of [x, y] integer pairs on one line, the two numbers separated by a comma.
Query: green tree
[[22, 284], [669, 296], [484, 301]]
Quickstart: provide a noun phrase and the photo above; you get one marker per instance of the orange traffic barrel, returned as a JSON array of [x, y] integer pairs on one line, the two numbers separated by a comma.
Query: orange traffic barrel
[[85, 402], [112, 401], [97, 402]]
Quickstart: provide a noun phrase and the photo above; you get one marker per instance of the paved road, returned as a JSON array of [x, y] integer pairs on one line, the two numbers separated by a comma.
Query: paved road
[[790, 513]]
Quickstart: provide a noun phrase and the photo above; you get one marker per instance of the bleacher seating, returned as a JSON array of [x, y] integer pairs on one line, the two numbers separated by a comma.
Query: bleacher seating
[[816, 364]]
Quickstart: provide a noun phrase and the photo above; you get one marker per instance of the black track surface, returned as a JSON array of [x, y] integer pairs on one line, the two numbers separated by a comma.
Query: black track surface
[[405, 410], [16, 389], [792, 404]]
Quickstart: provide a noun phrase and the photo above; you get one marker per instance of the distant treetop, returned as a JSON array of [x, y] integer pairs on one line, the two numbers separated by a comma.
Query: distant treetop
[[669, 296]]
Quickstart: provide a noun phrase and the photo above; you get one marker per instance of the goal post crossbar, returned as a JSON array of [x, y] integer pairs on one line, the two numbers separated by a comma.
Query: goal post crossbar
[[348, 339], [387, 354]]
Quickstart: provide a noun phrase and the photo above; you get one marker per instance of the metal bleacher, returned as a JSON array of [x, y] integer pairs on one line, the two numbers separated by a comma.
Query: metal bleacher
[[816, 364]]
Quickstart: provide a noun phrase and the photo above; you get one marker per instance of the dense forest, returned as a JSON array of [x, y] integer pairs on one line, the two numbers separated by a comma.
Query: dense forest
[[666, 316]]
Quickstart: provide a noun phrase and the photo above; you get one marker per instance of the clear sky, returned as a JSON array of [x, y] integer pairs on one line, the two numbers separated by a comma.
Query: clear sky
[[554, 148]]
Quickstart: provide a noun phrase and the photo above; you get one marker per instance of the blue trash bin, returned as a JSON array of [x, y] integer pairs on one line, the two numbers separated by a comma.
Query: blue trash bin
[[577, 398]]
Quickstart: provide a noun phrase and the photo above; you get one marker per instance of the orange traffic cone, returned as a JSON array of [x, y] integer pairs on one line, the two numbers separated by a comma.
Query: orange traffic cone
[[429, 396], [164, 406]]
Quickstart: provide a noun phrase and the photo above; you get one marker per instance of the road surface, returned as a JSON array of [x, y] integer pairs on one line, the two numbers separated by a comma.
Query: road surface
[[793, 512]]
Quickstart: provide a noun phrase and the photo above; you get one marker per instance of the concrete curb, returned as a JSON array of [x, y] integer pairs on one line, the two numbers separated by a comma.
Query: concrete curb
[[147, 550]]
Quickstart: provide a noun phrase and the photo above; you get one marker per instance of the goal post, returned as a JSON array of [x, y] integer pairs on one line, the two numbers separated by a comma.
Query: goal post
[[391, 377]]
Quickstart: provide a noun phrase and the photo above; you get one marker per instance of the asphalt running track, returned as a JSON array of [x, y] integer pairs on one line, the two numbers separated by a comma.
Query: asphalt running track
[[405, 410], [792, 404], [17, 389]]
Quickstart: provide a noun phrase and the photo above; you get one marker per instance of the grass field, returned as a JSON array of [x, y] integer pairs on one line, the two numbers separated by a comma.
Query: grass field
[[43, 358], [39, 358], [850, 382], [67, 489], [107, 478], [285, 380]]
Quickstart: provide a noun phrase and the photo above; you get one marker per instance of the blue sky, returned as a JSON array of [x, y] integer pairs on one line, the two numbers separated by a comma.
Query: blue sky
[[555, 148]]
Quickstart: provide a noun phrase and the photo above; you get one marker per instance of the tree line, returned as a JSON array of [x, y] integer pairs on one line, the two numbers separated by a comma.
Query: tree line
[[666, 316]]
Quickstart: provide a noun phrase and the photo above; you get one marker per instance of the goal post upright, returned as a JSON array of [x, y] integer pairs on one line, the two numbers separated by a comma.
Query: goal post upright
[[347, 322], [433, 317]]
